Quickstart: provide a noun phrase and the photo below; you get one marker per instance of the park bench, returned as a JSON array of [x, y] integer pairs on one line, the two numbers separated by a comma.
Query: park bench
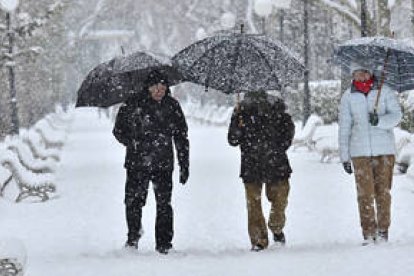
[[28, 182]]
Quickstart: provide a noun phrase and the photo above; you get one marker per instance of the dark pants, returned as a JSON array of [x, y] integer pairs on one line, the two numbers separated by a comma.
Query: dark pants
[[136, 191]]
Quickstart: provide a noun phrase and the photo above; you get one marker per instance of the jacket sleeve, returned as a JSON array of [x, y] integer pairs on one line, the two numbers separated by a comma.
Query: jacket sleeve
[[122, 129], [180, 135], [345, 126], [235, 133], [393, 113], [289, 131]]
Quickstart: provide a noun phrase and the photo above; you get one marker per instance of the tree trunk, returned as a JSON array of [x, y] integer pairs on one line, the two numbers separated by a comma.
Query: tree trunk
[[412, 17], [384, 18], [12, 80], [306, 97], [364, 19]]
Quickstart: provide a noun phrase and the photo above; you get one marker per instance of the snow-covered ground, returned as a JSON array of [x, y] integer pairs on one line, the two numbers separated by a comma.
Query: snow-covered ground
[[82, 231]]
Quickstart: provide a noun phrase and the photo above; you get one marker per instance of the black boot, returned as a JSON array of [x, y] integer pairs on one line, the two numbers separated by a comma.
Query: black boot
[[164, 249], [131, 244], [279, 238]]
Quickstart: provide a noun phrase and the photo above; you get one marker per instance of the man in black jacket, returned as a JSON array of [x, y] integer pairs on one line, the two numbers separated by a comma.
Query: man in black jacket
[[147, 125], [264, 132]]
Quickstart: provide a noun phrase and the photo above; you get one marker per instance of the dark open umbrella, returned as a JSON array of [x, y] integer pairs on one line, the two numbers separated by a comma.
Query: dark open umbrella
[[234, 62], [103, 88], [116, 80], [140, 64], [397, 69]]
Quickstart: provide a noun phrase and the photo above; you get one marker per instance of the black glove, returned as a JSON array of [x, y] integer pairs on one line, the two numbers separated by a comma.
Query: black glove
[[373, 118], [347, 167], [184, 175]]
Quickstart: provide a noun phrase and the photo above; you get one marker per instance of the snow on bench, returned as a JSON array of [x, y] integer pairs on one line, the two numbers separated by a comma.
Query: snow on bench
[[28, 182], [223, 115], [5, 177], [10, 267], [51, 138], [38, 146], [304, 137], [208, 114], [27, 158], [404, 150], [326, 142], [59, 122]]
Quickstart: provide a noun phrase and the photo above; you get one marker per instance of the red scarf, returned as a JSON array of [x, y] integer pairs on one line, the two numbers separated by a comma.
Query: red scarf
[[363, 86]]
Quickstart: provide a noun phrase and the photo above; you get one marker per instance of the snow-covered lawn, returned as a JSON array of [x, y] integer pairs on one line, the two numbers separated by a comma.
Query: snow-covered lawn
[[82, 231]]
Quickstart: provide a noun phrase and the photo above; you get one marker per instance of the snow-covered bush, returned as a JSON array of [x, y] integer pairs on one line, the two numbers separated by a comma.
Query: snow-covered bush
[[325, 97], [407, 105]]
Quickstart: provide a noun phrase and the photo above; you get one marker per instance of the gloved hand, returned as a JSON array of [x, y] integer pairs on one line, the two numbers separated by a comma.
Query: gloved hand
[[184, 173], [347, 167], [373, 118]]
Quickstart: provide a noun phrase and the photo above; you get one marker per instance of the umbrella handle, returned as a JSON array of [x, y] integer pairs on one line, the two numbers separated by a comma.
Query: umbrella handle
[[382, 80], [382, 77]]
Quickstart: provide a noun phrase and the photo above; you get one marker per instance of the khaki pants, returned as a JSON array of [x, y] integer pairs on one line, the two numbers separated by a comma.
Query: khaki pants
[[373, 176], [277, 194]]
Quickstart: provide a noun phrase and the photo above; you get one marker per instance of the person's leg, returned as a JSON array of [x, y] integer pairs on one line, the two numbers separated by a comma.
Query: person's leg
[[162, 184], [383, 172], [136, 191], [277, 194], [256, 221], [364, 178]]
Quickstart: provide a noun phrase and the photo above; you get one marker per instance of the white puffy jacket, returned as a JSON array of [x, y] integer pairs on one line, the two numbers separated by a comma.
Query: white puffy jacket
[[357, 137]]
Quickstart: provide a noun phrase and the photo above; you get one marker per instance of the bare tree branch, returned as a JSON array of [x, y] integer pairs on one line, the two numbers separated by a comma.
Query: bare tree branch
[[92, 18], [344, 8]]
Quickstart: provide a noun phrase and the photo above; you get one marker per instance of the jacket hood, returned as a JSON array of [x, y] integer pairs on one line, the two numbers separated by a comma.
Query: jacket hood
[[263, 102]]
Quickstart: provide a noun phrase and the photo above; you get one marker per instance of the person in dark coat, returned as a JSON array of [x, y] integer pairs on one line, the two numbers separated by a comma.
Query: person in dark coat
[[264, 132], [148, 125]]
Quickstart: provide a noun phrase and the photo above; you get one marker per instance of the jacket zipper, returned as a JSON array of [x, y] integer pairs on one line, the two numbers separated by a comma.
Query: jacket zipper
[[369, 124]]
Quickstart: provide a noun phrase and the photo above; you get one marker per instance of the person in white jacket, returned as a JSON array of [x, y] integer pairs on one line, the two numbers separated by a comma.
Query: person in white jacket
[[366, 139]]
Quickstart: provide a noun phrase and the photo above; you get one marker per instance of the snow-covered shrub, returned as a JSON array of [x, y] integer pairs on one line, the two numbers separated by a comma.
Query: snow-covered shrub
[[407, 105], [325, 97]]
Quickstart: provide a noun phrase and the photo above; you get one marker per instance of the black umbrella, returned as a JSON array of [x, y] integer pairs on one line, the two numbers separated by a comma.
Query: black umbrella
[[103, 88], [115, 81], [397, 69], [140, 64], [238, 62]]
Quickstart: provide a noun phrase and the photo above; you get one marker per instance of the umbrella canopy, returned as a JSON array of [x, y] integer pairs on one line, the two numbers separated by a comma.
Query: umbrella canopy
[[116, 80], [140, 64], [372, 52], [238, 62], [103, 88]]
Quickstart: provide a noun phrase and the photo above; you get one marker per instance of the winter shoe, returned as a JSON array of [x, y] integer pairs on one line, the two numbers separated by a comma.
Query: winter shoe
[[382, 236], [368, 240], [131, 244], [164, 249], [279, 238], [257, 248]]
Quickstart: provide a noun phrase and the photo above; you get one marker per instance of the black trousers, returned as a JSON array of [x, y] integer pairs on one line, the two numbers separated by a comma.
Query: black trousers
[[136, 191]]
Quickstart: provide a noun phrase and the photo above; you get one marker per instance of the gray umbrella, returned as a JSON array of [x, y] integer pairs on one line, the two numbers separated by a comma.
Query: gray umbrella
[[238, 62], [372, 52]]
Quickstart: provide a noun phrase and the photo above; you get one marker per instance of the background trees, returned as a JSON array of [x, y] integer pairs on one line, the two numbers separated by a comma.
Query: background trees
[[81, 34]]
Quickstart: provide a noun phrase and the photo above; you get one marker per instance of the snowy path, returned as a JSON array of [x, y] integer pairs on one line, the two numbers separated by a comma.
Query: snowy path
[[82, 231]]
